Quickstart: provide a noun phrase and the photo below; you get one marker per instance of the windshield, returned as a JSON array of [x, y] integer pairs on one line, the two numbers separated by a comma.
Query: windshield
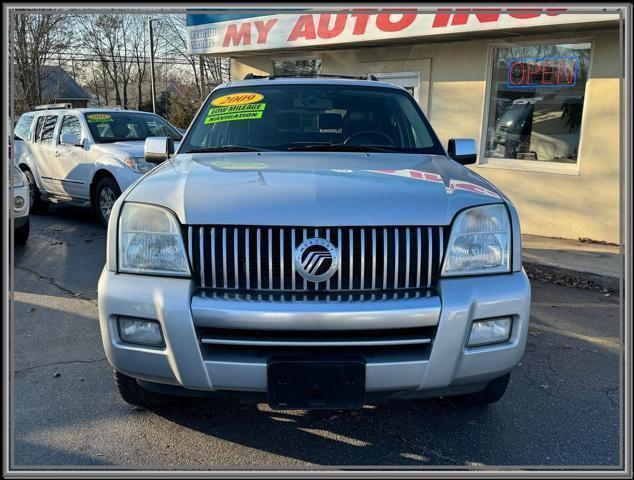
[[127, 126], [22, 127], [311, 117]]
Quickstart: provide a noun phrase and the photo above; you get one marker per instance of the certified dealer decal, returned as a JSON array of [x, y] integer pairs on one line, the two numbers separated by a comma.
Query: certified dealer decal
[[236, 106]]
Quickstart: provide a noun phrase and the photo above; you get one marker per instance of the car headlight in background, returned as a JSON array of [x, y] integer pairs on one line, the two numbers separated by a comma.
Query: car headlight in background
[[18, 177], [150, 241], [138, 164], [480, 242]]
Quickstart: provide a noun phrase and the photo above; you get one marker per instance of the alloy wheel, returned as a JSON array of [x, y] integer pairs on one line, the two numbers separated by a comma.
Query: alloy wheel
[[106, 200]]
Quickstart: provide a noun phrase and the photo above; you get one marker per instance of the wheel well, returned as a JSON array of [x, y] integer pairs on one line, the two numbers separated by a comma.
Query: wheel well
[[99, 174]]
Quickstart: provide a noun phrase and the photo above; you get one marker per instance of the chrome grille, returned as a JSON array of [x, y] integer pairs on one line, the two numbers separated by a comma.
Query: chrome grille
[[251, 258]]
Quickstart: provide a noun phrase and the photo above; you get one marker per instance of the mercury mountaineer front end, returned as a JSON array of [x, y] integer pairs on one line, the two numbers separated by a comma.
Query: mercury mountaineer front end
[[312, 245]]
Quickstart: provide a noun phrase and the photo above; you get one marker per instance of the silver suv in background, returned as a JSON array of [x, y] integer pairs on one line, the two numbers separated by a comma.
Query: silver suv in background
[[84, 156], [312, 244]]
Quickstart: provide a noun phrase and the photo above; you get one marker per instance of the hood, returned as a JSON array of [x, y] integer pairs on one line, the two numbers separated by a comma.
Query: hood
[[313, 188], [122, 149], [135, 148]]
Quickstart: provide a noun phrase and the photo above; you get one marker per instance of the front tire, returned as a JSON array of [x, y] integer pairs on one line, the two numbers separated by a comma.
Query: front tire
[[37, 204], [21, 234], [106, 193], [132, 393], [493, 392]]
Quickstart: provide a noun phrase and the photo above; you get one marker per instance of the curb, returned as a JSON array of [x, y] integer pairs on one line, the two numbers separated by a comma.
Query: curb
[[572, 278]]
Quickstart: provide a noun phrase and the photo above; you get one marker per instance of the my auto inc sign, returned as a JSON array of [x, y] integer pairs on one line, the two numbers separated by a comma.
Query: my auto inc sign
[[239, 33]]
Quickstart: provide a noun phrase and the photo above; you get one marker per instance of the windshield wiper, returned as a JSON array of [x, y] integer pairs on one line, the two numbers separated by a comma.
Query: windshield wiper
[[225, 148], [341, 147]]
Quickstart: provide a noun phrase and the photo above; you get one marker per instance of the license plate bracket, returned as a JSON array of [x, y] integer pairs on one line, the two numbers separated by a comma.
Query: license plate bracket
[[337, 383]]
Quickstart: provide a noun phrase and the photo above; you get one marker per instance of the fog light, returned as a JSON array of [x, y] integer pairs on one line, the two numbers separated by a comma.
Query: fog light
[[140, 331], [19, 202], [486, 332]]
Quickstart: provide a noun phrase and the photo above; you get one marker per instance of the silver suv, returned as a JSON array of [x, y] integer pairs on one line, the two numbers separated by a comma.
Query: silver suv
[[311, 244], [84, 156]]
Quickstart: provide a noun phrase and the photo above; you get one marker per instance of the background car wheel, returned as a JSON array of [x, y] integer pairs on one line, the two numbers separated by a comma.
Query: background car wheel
[[490, 394], [21, 234], [106, 193], [37, 204], [134, 394]]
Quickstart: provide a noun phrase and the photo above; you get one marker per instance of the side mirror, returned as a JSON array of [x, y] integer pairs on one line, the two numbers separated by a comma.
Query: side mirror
[[70, 139], [158, 149], [463, 150]]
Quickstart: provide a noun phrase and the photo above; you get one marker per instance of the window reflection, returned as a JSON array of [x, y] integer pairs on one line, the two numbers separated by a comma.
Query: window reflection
[[536, 102], [304, 67]]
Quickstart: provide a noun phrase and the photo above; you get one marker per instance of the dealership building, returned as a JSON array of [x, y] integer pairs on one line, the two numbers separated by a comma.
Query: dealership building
[[539, 90]]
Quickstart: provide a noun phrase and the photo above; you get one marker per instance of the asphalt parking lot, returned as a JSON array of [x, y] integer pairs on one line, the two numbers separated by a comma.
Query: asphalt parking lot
[[561, 408]]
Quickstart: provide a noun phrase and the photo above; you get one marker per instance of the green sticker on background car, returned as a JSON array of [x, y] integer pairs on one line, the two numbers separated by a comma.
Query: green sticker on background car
[[99, 117], [250, 111]]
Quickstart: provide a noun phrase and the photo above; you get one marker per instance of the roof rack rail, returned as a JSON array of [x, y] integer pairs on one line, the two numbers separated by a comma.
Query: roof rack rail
[[53, 106], [251, 76]]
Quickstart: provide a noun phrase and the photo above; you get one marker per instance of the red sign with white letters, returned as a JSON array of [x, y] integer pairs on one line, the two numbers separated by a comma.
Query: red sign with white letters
[[290, 30]]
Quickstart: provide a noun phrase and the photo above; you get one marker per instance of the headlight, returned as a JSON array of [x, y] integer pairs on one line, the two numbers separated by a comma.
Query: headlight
[[150, 241], [480, 242], [138, 164], [488, 332], [18, 177], [140, 331]]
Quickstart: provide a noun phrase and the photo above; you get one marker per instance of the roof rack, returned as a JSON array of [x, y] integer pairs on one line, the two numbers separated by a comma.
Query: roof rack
[[107, 107], [251, 76], [53, 106]]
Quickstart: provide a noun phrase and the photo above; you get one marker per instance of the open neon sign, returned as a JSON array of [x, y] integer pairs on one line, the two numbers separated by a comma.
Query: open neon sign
[[542, 72]]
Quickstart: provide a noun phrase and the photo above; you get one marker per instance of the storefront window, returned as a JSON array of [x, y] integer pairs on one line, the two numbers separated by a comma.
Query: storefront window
[[536, 102], [310, 66]]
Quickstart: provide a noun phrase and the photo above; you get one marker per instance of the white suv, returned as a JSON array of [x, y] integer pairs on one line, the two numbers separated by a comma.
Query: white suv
[[84, 156]]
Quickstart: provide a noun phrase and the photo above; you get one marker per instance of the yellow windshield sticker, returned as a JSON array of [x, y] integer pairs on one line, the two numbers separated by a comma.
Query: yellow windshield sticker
[[251, 111], [99, 117], [237, 99]]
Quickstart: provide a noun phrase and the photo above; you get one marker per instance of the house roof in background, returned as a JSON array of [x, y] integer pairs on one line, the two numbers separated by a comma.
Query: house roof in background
[[57, 84]]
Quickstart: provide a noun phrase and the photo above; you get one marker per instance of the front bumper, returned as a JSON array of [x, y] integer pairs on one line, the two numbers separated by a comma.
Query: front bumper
[[446, 366]]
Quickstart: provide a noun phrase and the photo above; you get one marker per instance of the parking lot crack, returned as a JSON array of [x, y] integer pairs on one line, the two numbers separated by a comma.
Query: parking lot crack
[[52, 281], [608, 392], [26, 369]]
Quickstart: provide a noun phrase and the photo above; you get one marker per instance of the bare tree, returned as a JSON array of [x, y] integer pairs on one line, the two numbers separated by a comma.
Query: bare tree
[[207, 72], [139, 46], [95, 80], [108, 37], [37, 38]]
